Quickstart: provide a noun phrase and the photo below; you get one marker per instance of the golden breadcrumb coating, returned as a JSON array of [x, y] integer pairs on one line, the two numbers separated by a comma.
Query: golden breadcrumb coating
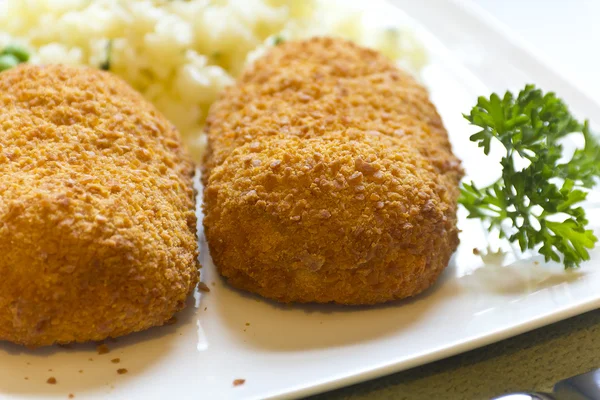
[[97, 223], [329, 178]]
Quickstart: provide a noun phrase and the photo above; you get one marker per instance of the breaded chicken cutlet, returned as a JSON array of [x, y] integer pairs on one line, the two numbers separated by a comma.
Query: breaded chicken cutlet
[[97, 222], [329, 178]]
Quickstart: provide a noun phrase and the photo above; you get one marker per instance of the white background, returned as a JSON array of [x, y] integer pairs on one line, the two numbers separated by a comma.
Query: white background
[[565, 32]]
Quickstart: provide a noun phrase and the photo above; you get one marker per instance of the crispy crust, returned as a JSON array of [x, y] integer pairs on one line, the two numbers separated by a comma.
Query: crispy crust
[[329, 178], [97, 223]]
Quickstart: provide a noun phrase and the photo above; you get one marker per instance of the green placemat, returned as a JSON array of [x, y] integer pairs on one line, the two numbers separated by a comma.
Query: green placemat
[[532, 361]]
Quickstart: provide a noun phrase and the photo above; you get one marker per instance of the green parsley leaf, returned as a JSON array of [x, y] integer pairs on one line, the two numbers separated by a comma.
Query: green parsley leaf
[[536, 206], [105, 65]]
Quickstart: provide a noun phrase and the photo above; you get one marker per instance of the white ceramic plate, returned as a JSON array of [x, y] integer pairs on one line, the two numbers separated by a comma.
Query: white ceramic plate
[[284, 352]]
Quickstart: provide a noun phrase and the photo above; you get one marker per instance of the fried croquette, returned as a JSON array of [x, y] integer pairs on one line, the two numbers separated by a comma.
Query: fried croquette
[[329, 178], [97, 222]]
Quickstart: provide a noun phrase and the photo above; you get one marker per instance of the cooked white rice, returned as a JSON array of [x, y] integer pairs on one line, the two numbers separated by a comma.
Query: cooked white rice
[[181, 54]]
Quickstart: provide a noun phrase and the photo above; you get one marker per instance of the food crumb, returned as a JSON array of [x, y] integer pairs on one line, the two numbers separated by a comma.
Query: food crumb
[[28, 363], [171, 321], [536, 262], [247, 323], [81, 371], [202, 287], [115, 360], [238, 382], [50, 370], [205, 308], [51, 380], [476, 251], [90, 359], [122, 371], [102, 349], [71, 395], [26, 378]]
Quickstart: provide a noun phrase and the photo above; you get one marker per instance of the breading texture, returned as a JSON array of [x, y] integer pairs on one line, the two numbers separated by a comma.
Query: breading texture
[[97, 222], [329, 178]]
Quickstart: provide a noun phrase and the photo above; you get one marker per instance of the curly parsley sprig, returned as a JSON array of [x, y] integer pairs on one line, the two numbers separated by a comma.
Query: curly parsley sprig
[[538, 205]]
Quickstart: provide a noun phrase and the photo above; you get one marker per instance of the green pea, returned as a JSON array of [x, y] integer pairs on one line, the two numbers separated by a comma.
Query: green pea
[[7, 61], [17, 51]]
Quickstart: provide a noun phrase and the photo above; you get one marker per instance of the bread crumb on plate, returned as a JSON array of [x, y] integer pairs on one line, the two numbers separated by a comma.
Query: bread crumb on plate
[[238, 382], [202, 287], [102, 349]]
